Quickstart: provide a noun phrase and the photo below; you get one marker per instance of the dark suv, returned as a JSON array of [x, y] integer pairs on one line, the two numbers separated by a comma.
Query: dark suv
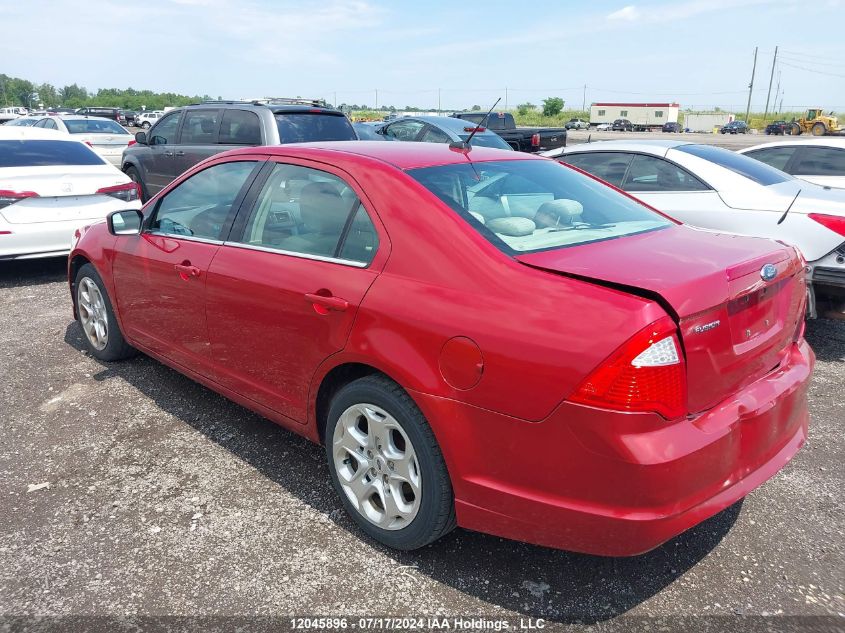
[[183, 137], [622, 125], [735, 127], [115, 114]]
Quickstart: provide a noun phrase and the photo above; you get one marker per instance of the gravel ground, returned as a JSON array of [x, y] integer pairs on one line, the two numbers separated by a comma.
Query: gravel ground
[[166, 499]]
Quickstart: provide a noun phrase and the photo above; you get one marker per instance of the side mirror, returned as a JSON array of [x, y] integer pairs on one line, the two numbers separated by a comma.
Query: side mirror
[[127, 222], [141, 138]]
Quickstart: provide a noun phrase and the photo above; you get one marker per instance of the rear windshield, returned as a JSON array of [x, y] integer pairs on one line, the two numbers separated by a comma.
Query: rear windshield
[[303, 127], [38, 153], [93, 126], [534, 205], [486, 140], [743, 165], [496, 121]]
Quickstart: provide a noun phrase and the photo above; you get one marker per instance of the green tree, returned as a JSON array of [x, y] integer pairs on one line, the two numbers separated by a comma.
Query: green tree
[[552, 106], [525, 108], [476, 108]]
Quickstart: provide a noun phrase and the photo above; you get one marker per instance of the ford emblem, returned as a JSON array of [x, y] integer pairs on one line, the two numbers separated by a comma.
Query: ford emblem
[[768, 272]]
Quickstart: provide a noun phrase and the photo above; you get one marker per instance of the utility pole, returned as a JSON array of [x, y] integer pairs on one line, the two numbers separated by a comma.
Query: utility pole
[[751, 86], [335, 99], [769, 94], [584, 100], [438, 101], [506, 98], [376, 98], [777, 92]]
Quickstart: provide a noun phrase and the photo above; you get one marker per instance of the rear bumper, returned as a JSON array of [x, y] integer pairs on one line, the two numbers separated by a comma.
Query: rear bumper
[[43, 239], [617, 484]]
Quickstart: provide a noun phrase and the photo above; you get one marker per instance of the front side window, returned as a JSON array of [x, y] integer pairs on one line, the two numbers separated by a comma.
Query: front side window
[[164, 133], [199, 206], [820, 161], [649, 173], [200, 127], [777, 157], [609, 166], [528, 206], [309, 212]]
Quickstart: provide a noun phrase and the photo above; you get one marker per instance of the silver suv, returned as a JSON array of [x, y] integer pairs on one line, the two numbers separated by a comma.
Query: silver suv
[[183, 137]]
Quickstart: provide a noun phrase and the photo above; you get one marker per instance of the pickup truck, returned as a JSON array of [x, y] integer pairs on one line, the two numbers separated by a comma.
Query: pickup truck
[[522, 139]]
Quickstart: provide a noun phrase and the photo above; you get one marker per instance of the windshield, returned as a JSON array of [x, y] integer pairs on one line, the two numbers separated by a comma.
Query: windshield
[[486, 140], [761, 173], [534, 205], [46, 153], [303, 127], [93, 126]]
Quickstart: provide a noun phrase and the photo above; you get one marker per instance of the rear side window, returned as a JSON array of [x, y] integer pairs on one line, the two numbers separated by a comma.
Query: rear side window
[[649, 173], [200, 127], [820, 161], [752, 169], [93, 126], [609, 166], [200, 205], [777, 157], [303, 127], [404, 130], [240, 127], [43, 153]]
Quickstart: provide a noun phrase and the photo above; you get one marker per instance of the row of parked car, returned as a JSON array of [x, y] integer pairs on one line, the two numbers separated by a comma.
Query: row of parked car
[[701, 185]]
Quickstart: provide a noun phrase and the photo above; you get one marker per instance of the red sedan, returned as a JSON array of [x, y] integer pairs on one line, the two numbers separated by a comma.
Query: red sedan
[[480, 338]]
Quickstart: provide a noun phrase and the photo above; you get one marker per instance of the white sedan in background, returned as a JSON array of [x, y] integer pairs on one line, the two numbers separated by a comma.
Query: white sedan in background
[[50, 185], [720, 190], [104, 136], [817, 160]]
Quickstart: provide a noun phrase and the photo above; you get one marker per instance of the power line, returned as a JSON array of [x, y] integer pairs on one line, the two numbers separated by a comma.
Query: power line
[[806, 61], [812, 70]]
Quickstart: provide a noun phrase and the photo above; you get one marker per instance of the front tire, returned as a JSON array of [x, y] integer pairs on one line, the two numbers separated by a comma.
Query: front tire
[[145, 125], [819, 129], [100, 330], [386, 465]]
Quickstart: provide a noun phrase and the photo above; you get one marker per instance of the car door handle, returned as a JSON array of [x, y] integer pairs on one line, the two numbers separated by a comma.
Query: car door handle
[[327, 303], [186, 271], [179, 153], [168, 153]]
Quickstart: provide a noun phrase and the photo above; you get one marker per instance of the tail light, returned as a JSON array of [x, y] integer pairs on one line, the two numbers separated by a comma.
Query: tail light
[[535, 140], [127, 192], [475, 129], [647, 373], [10, 197], [131, 143], [832, 222]]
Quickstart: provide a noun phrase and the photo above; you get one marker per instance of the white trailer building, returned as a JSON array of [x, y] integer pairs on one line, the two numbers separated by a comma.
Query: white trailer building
[[706, 121], [642, 115]]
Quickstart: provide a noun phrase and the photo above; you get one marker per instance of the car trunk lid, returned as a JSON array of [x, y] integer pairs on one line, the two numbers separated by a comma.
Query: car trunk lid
[[734, 325]]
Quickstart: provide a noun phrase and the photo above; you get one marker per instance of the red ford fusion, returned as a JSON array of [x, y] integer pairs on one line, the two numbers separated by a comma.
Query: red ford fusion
[[479, 338]]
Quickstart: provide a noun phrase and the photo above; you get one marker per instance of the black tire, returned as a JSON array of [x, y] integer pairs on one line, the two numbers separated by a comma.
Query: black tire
[[795, 130], [436, 514], [818, 129], [136, 177], [146, 125], [116, 347]]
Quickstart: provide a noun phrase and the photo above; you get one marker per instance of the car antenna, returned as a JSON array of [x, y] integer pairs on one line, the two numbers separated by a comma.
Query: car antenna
[[783, 217], [464, 146]]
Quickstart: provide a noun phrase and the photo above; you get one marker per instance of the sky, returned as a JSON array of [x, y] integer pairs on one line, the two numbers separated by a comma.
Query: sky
[[696, 52]]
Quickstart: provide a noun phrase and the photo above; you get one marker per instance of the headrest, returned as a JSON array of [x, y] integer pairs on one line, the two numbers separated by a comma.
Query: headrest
[[564, 211]]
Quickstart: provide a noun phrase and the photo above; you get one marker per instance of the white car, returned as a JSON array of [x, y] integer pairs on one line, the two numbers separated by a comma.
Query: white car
[[604, 127], [720, 190], [104, 136], [147, 119], [50, 185], [817, 160]]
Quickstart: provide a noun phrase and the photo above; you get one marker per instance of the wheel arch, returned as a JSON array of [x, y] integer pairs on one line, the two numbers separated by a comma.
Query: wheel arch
[[76, 261]]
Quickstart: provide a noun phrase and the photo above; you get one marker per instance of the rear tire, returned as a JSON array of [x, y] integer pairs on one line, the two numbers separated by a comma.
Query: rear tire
[[100, 330], [386, 466], [819, 129]]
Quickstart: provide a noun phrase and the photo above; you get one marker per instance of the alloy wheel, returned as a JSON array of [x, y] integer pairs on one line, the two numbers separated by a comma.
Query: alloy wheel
[[377, 466], [92, 313]]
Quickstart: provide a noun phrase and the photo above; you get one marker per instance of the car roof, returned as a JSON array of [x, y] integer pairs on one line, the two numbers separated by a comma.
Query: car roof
[[22, 133], [823, 142], [405, 155], [79, 117]]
